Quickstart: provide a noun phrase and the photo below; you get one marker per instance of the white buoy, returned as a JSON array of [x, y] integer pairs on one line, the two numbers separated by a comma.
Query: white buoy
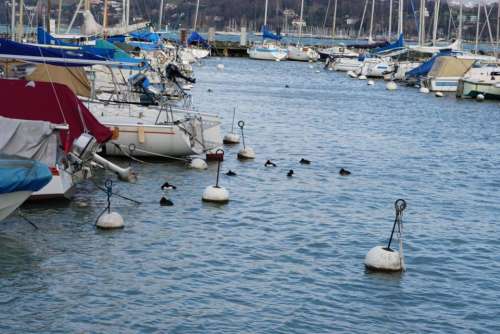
[[318, 71], [220, 67], [232, 138], [370, 83], [380, 258], [246, 153], [424, 90], [330, 69], [362, 77], [391, 85], [439, 94], [198, 163], [311, 66], [352, 74], [109, 221], [215, 194], [480, 97]]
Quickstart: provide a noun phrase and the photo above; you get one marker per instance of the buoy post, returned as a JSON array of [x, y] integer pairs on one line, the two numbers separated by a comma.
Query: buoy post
[[245, 152], [216, 194], [109, 220]]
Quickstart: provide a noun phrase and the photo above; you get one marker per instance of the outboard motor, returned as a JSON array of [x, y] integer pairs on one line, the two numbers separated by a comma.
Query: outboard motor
[[173, 72], [140, 83], [84, 149]]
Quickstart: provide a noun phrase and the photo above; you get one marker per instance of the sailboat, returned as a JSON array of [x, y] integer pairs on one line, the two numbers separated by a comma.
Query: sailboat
[[269, 49], [197, 45], [298, 52]]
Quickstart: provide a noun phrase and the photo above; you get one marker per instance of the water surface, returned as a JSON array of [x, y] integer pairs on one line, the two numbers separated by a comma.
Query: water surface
[[286, 254]]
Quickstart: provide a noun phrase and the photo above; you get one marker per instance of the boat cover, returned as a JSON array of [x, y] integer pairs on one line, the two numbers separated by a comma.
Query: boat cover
[[73, 77], [34, 140], [449, 66], [44, 37], [146, 36], [266, 34], [51, 102], [12, 49], [425, 68], [196, 38], [22, 175], [397, 45]]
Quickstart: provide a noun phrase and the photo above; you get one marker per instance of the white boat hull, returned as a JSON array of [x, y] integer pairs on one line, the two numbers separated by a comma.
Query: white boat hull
[[267, 54], [302, 54], [471, 89], [445, 84], [11, 201], [61, 186], [346, 65]]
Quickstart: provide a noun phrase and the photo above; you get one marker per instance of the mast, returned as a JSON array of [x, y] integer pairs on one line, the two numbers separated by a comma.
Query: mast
[[59, 16], [436, 21], [48, 15], [105, 19], [477, 25], [265, 14], [20, 24], [13, 20], [390, 21], [498, 25], [124, 12], [421, 29], [335, 19], [370, 38], [301, 18], [160, 16], [363, 18], [461, 20], [400, 18], [127, 16], [196, 14]]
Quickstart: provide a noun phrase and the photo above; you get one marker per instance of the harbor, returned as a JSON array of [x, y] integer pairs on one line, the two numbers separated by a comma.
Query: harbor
[[166, 183]]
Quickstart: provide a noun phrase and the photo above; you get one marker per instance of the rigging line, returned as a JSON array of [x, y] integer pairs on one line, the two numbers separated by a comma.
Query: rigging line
[[326, 14]]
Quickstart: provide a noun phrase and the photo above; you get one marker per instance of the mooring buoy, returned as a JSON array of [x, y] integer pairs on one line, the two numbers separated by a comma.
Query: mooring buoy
[[246, 153], [198, 163], [231, 138], [109, 220], [216, 194], [382, 258], [391, 85]]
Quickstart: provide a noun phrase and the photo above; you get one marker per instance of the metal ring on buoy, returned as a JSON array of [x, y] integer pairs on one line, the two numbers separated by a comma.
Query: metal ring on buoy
[[241, 124], [131, 148]]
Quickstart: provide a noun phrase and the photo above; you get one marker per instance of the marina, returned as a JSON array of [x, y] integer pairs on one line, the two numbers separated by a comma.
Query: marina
[[154, 185]]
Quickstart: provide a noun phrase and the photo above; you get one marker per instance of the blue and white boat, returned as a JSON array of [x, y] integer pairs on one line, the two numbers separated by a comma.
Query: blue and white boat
[[19, 178]]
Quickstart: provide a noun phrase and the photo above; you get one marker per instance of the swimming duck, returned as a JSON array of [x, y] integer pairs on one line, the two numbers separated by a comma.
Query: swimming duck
[[165, 202], [231, 173], [305, 161], [290, 173], [168, 186], [344, 172], [269, 163]]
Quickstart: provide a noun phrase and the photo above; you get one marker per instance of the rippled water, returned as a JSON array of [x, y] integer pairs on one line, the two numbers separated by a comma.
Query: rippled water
[[285, 255]]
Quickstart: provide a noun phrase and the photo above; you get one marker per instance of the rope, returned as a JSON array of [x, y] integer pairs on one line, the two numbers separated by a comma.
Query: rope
[[156, 154], [105, 190]]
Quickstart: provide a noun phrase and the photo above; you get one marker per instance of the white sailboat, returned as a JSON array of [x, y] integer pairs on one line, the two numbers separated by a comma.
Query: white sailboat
[[269, 49], [299, 52], [480, 80]]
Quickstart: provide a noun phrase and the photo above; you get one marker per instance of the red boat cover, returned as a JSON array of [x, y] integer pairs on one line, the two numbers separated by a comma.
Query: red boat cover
[[55, 103]]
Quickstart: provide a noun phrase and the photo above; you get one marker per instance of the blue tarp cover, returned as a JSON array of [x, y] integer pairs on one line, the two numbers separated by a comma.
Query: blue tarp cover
[[44, 37], [146, 36], [8, 47], [266, 34], [22, 175], [399, 44], [198, 39]]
